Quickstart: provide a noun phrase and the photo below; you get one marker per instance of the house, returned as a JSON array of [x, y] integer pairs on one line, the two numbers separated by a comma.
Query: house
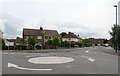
[[9, 42], [72, 38], [96, 41], [50, 34], [1, 34], [42, 35], [109, 42]]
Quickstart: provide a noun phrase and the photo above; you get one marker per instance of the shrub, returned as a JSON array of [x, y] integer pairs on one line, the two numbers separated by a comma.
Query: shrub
[[64, 44], [79, 44], [76, 45], [87, 44]]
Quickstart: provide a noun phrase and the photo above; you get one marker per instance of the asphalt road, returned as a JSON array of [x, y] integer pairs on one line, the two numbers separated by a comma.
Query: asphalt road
[[90, 60]]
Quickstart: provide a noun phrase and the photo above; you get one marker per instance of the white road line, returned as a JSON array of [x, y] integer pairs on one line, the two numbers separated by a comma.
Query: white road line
[[16, 66], [86, 51], [89, 58], [4, 53]]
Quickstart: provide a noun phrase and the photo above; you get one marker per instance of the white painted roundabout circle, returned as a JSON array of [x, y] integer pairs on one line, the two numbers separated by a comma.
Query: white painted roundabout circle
[[50, 60]]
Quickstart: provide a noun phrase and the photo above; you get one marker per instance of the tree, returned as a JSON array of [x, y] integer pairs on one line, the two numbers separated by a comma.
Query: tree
[[49, 42], [105, 41], [2, 43], [63, 34], [115, 35], [21, 39], [32, 41], [86, 41], [56, 41], [87, 44], [91, 38]]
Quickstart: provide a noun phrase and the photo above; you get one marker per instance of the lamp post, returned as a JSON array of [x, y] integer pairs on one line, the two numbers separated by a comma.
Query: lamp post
[[69, 38], [116, 28]]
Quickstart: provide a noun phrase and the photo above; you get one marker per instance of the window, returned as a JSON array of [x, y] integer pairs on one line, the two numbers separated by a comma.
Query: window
[[39, 37], [26, 37], [47, 37]]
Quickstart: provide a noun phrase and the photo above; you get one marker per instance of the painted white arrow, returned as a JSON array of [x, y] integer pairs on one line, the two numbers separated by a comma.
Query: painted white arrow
[[16, 66], [90, 59]]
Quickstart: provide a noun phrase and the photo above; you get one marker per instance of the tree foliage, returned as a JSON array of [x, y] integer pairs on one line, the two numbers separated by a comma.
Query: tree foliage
[[86, 41], [49, 42], [115, 35], [56, 41], [32, 40], [105, 41], [64, 44], [63, 34]]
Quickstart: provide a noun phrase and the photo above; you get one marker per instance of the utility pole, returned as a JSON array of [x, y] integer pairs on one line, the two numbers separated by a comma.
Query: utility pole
[[116, 38]]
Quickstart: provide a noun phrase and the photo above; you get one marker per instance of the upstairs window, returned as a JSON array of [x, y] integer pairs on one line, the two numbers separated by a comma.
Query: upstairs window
[[39, 37], [26, 38], [47, 37]]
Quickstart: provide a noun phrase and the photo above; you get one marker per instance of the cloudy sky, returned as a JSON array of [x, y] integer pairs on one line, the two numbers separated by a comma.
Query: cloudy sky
[[88, 18]]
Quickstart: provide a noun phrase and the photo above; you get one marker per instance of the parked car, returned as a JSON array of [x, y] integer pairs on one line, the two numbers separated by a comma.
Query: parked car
[[106, 45]]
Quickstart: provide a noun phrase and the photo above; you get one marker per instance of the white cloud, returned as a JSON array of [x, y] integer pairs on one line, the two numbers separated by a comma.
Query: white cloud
[[89, 18]]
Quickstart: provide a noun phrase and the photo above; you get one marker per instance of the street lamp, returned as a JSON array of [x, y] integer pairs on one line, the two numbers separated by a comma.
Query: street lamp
[[116, 28]]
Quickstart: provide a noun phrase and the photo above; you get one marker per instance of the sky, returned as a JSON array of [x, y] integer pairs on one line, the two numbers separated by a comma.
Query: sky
[[88, 18]]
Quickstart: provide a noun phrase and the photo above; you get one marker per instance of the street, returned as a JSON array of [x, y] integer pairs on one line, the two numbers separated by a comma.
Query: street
[[87, 60]]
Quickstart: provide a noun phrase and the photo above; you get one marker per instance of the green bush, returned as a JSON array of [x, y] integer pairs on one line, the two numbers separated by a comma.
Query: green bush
[[87, 44], [64, 44], [76, 45], [79, 44], [21, 45], [37, 45]]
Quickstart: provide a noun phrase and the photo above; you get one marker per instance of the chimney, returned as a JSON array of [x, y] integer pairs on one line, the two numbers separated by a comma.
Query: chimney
[[41, 28], [69, 34]]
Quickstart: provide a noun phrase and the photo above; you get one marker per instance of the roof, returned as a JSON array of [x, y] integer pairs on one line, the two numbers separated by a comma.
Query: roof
[[27, 31], [11, 40], [72, 35], [31, 31], [52, 32], [96, 39]]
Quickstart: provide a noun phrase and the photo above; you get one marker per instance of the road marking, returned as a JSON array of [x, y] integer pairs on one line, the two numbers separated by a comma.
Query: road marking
[[12, 53], [86, 51], [16, 66], [89, 58], [50, 60], [5, 53], [68, 66]]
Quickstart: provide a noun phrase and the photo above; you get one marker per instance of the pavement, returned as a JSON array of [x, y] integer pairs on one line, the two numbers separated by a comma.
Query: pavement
[[89, 60]]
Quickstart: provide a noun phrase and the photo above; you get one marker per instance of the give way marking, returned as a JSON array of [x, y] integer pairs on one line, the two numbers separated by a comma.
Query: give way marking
[[89, 58], [16, 66]]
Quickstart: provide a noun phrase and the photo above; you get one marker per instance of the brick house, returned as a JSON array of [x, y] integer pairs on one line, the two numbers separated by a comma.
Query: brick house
[[41, 34], [109, 42], [96, 41], [72, 37]]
